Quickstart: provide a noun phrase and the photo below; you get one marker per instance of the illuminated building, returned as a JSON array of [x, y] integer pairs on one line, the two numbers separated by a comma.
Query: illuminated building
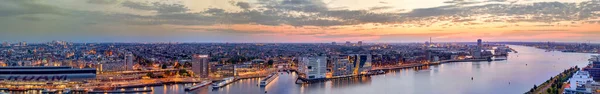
[[348, 43], [45, 73], [477, 51], [200, 65], [129, 61], [341, 66], [5, 44], [314, 67], [360, 43], [362, 63]]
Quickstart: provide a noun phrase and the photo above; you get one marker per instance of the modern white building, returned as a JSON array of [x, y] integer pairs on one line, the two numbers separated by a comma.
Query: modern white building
[[578, 83], [200, 65], [314, 67]]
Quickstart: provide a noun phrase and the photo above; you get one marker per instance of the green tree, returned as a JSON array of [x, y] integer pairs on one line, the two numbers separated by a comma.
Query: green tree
[[164, 66], [149, 75], [270, 63]]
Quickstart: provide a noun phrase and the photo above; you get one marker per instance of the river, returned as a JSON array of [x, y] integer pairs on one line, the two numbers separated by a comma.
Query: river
[[516, 75]]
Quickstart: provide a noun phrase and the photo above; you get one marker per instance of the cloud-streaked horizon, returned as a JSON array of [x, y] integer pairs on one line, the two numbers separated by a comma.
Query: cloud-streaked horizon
[[299, 20]]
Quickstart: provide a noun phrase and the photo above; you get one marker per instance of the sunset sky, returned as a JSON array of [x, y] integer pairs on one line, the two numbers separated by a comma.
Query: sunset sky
[[299, 20]]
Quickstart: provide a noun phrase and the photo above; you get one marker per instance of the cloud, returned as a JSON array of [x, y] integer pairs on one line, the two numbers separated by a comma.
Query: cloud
[[317, 13], [137, 5], [243, 5], [161, 8], [27, 7], [31, 18], [380, 8], [102, 1]]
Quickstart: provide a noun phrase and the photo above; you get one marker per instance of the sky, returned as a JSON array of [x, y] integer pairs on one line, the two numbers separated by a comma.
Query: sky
[[299, 21]]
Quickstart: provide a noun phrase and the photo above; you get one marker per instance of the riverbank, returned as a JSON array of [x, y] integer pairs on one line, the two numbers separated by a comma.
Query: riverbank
[[435, 63], [376, 71], [554, 84]]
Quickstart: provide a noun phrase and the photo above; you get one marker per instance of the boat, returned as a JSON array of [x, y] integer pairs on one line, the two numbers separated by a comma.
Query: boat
[[17, 89], [47, 91], [265, 81], [120, 91], [223, 82], [380, 72], [202, 84]]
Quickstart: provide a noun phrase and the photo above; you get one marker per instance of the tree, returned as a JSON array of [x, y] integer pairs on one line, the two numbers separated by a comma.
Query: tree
[[183, 72], [178, 66], [149, 75], [270, 63], [164, 66], [187, 64]]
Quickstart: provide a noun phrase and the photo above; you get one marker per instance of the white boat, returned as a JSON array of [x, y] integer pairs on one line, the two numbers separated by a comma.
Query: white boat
[[202, 84], [265, 81], [224, 82]]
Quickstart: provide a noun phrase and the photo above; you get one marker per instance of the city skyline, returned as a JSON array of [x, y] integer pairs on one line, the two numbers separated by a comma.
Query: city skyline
[[299, 21]]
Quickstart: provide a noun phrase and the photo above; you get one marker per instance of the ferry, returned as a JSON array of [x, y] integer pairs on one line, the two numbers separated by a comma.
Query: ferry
[[265, 81], [202, 84], [223, 83]]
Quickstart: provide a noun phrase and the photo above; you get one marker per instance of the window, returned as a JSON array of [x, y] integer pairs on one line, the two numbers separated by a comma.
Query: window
[[310, 67], [312, 76]]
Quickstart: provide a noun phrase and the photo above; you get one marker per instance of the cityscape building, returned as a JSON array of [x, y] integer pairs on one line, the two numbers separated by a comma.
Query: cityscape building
[[200, 65], [361, 62], [314, 67]]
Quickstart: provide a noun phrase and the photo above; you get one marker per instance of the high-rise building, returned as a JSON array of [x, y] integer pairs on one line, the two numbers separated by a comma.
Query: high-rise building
[[348, 43], [333, 43], [314, 67], [129, 61], [5, 44], [341, 66], [360, 43], [200, 65], [362, 63], [479, 45], [477, 51]]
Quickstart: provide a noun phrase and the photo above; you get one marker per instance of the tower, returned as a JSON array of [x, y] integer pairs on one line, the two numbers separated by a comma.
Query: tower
[[129, 61], [200, 65]]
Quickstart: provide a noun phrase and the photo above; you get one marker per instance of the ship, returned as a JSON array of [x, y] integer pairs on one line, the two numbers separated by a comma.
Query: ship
[[265, 81], [224, 82], [202, 84]]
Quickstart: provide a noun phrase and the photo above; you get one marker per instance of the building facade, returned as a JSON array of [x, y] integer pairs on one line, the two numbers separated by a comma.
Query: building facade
[[314, 67], [129, 61], [341, 66], [362, 63], [200, 65]]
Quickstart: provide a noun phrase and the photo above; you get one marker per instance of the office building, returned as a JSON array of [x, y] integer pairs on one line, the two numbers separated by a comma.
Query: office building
[[129, 61], [341, 66], [348, 43], [579, 83], [361, 62], [5, 44], [333, 43], [594, 67], [477, 52], [313, 67], [45, 73], [200, 65], [360, 43]]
